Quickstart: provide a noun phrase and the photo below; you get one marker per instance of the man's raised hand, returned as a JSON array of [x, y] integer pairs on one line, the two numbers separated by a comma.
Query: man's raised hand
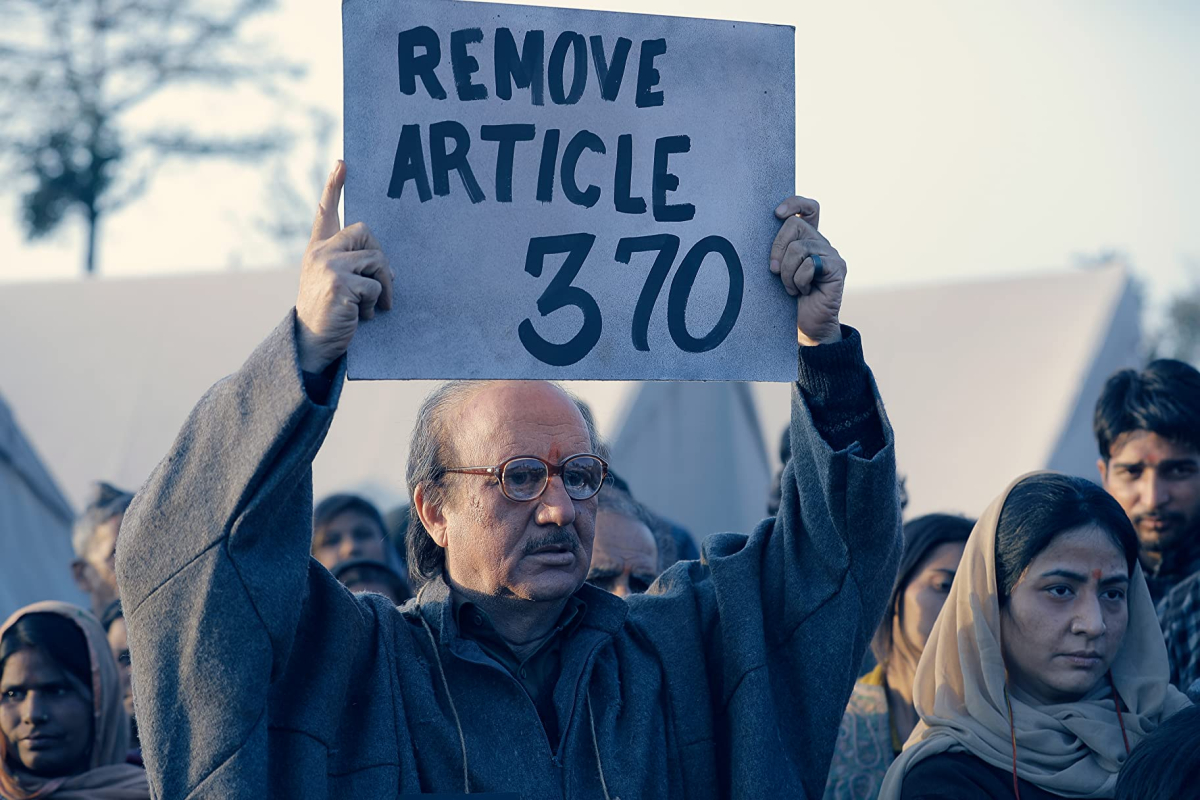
[[344, 277], [817, 301]]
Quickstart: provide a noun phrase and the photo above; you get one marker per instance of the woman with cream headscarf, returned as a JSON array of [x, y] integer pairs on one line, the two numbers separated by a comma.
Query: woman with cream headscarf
[[63, 727], [1046, 666]]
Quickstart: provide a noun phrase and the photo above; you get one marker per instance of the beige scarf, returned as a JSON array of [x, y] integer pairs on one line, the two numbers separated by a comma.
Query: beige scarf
[[108, 776], [1070, 749]]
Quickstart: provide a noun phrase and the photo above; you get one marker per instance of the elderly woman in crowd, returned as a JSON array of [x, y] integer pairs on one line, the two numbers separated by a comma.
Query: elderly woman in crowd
[[880, 715], [63, 727], [1046, 666]]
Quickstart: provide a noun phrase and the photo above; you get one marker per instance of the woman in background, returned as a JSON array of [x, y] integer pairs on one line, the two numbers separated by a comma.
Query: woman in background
[[63, 727], [880, 714], [1046, 666]]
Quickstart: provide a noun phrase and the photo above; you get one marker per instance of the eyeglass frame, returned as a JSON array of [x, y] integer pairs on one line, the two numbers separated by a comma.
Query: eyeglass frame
[[552, 470]]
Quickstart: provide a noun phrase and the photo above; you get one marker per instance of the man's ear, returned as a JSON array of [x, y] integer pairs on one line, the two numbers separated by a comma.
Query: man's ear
[[1102, 465], [431, 515], [79, 571]]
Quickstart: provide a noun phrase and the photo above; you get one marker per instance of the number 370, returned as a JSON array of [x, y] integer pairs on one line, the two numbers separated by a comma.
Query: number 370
[[561, 294]]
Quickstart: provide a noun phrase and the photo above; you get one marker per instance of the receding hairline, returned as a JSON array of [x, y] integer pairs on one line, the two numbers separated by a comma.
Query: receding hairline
[[452, 415]]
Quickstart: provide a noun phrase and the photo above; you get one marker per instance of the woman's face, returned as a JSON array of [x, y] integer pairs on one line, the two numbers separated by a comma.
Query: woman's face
[[1066, 617], [925, 595], [45, 714]]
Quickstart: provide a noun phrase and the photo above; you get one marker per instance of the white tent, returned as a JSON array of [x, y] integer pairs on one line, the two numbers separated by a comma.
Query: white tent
[[35, 526], [982, 380], [986, 380]]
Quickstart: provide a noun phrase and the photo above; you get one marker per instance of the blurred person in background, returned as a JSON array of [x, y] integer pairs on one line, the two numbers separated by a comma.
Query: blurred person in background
[[115, 631], [346, 526], [1179, 616], [1147, 427], [94, 539], [1046, 666], [63, 727], [632, 547], [880, 715], [368, 575], [1166, 765]]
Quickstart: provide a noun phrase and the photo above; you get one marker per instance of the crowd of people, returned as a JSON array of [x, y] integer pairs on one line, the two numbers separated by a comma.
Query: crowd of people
[[524, 625]]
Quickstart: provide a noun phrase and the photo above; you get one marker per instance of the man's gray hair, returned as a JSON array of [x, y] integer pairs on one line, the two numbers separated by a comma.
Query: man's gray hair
[[429, 453], [107, 502]]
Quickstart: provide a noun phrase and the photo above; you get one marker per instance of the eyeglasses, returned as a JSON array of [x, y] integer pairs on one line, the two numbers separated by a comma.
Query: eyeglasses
[[524, 478]]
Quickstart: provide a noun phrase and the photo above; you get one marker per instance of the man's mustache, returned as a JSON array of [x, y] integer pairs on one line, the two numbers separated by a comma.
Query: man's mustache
[[557, 536]]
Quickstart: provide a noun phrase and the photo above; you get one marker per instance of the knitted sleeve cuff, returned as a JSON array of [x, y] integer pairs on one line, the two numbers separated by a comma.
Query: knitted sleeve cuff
[[836, 385]]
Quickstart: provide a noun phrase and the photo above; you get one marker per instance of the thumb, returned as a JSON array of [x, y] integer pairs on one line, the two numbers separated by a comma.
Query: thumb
[[327, 222]]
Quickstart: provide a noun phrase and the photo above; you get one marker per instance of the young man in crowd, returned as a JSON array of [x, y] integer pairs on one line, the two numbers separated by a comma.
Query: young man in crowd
[[95, 542], [257, 675], [1147, 427]]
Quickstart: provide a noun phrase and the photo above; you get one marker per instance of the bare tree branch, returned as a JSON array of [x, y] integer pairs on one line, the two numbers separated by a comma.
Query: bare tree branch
[[74, 69]]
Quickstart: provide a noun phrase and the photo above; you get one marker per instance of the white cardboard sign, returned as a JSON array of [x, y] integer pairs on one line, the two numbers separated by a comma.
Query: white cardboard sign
[[570, 194]]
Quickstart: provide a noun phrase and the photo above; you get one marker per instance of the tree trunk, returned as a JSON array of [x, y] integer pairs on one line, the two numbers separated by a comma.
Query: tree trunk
[[93, 220]]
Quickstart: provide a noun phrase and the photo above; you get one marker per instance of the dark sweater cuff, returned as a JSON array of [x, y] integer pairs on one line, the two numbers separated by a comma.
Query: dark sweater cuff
[[317, 385], [836, 385]]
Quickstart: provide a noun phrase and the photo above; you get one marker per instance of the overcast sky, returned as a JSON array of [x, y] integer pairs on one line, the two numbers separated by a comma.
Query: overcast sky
[[944, 140]]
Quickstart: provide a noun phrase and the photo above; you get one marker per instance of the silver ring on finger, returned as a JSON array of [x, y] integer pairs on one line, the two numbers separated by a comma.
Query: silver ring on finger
[[818, 268]]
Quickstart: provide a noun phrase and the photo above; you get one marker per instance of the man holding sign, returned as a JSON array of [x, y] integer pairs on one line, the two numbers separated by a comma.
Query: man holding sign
[[257, 674]]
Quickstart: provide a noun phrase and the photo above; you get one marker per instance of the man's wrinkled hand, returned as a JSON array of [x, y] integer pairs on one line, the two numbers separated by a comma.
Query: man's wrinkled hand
[[818, 297], [345, 277]]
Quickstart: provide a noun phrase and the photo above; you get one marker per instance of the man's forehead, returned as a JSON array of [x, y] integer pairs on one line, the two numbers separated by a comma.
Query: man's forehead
[[1147, 447], [508, 418]]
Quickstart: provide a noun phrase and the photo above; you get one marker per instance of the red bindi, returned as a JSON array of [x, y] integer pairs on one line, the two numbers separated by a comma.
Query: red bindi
[[1096, 575]]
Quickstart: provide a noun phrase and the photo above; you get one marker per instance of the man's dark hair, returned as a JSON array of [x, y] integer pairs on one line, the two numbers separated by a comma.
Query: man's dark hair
[[1040, 508], [1166, 764], [429, 454], [54, 635], [337, 504], [921, 536], [1164, 398]]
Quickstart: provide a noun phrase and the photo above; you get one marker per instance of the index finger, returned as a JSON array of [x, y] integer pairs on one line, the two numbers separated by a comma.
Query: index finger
[[327, 222], [805, 207]]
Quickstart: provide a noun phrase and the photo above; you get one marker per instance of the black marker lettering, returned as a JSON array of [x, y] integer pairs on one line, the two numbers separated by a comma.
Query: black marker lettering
[[507, 136], [409, 164], [441, 161], [623, 183], [545, 190], [648, 75], [525, 69], [464, 65], [609, 75], [570, 160], [664, 181], [557, 66], [561, 294], [667, 246], [681, 290], [411, 65]]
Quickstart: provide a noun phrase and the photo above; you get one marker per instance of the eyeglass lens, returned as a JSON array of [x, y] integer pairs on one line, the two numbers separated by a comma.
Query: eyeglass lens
[[525, 478]]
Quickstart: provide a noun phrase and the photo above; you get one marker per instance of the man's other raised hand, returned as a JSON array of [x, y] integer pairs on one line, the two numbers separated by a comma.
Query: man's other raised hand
[[818, 297], [345, 277]]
